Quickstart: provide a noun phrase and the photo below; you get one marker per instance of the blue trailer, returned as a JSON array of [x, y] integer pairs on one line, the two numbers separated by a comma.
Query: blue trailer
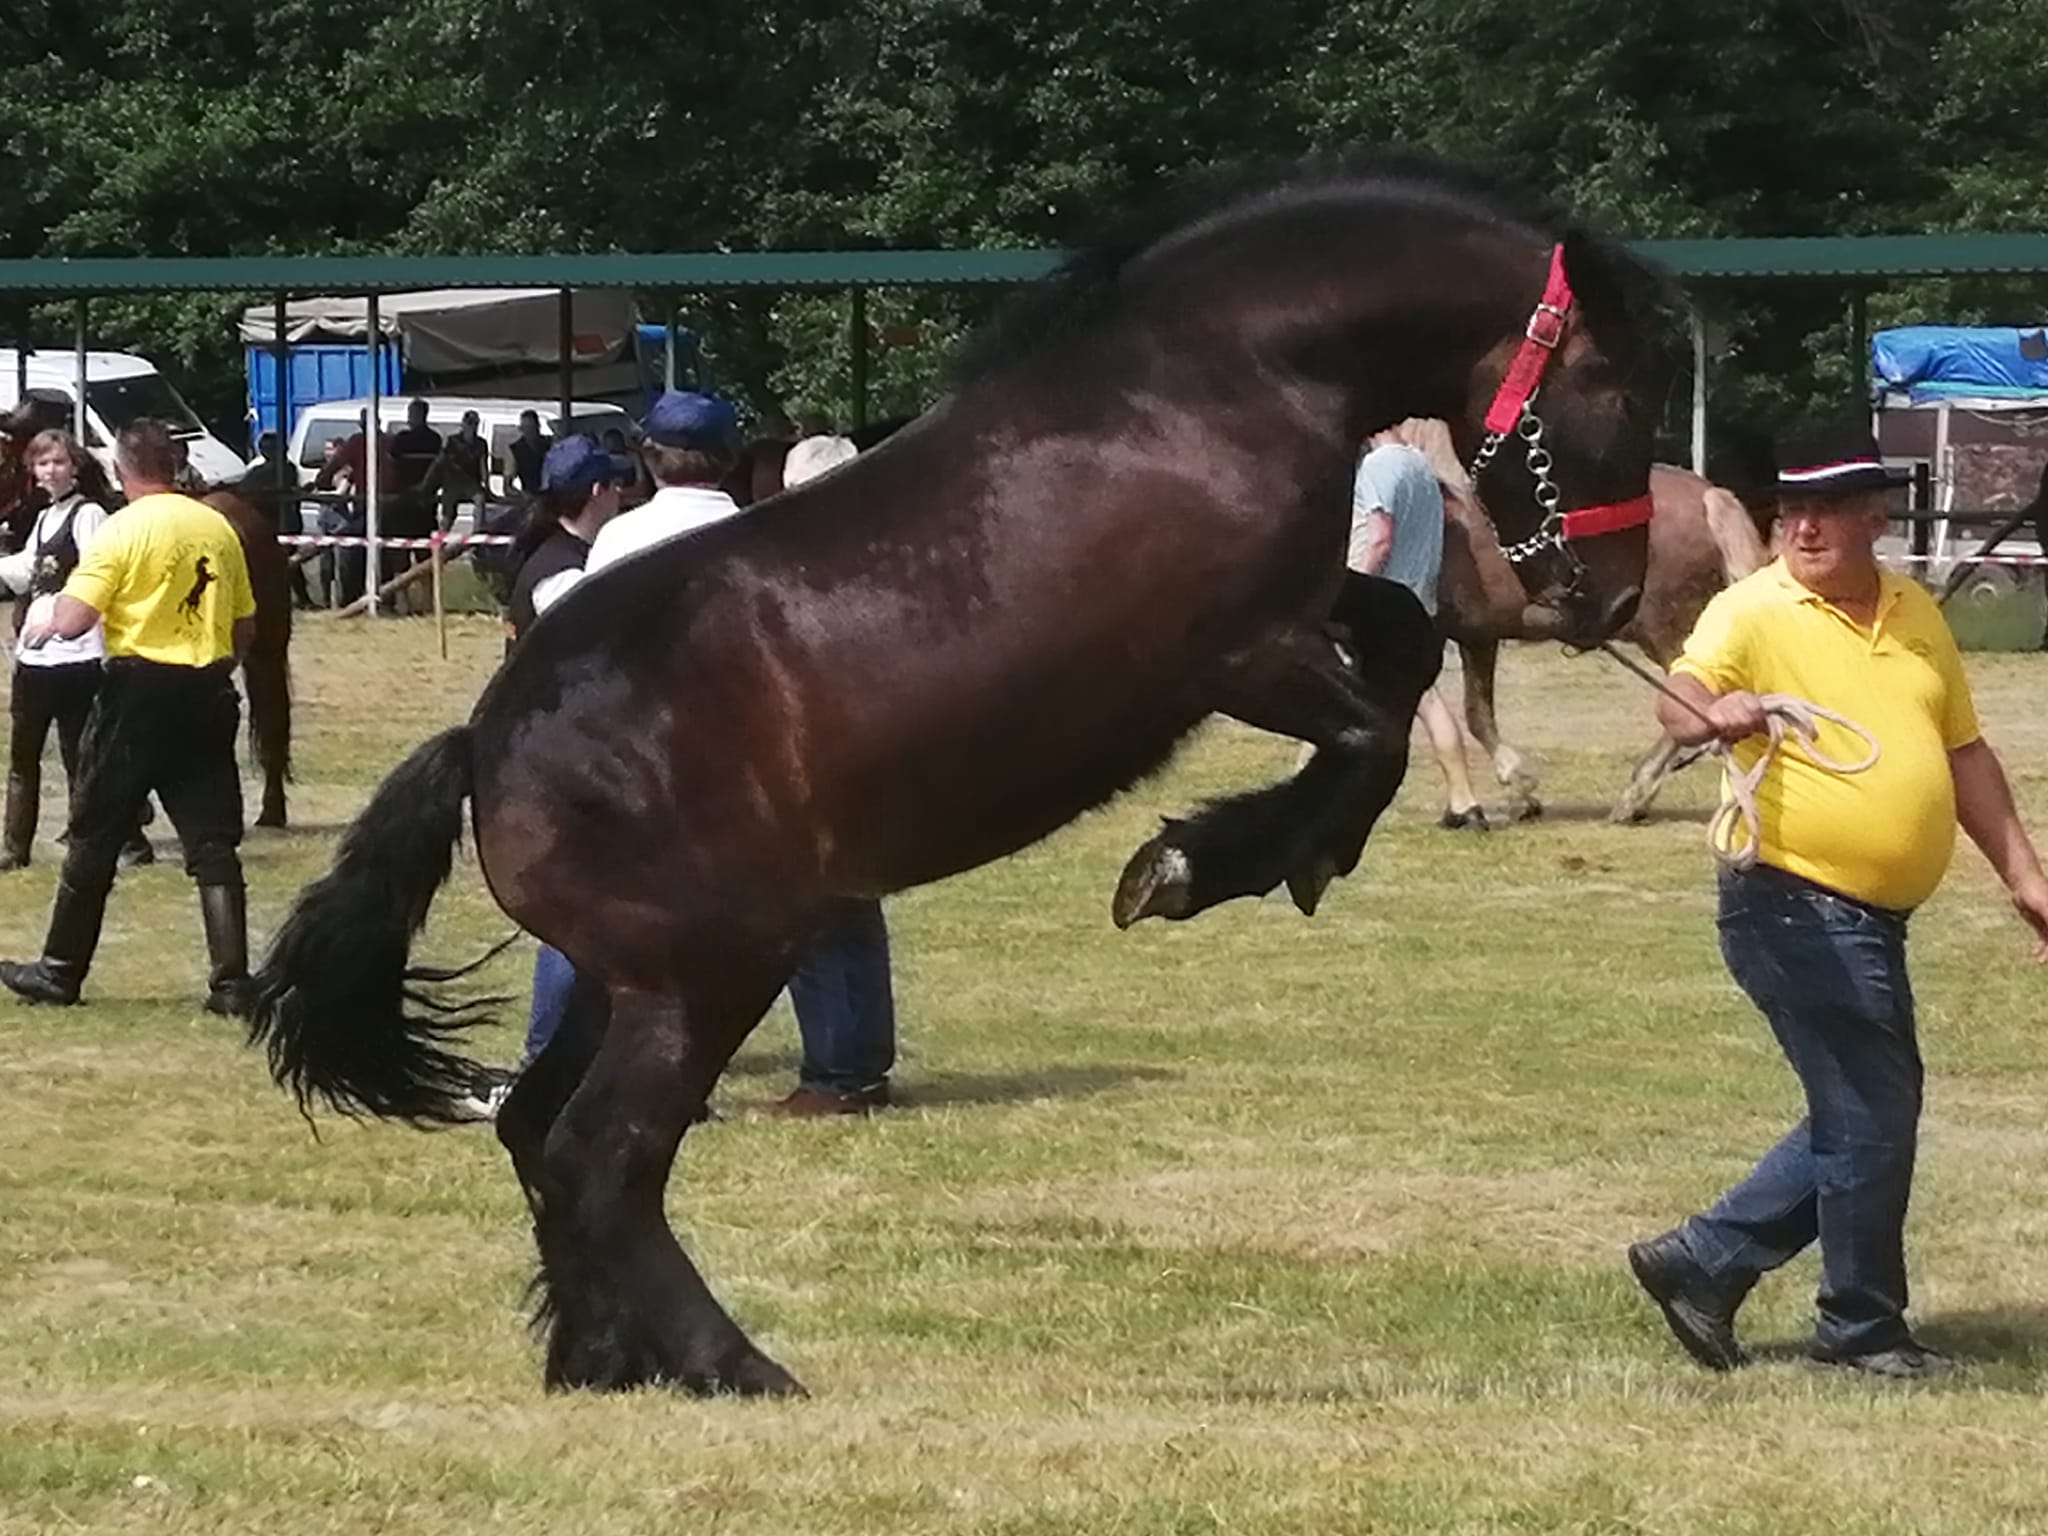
[[314, 371]]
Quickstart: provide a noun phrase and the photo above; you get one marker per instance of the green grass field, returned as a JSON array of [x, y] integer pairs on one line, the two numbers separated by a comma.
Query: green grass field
[[1251, 1224]]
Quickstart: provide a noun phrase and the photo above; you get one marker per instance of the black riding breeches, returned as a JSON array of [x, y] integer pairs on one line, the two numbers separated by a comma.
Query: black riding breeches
[[168, 729]]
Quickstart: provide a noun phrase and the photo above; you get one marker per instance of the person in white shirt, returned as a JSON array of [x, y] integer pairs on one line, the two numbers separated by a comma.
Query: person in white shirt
[[689, 442], [53, 684]]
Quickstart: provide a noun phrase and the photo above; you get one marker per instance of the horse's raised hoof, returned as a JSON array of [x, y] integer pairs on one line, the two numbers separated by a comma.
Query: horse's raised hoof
[[1157, 882], [1307, 887]]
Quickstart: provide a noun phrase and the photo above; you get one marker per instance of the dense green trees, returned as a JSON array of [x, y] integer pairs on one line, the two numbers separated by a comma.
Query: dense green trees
[[162, 126]]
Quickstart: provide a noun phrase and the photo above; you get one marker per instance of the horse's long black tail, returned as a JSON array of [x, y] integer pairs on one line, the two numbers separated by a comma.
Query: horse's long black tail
[[331, 997]]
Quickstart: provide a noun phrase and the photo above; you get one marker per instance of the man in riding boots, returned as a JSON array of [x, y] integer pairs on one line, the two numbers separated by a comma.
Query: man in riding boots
[[168, 581], [1815, 930]]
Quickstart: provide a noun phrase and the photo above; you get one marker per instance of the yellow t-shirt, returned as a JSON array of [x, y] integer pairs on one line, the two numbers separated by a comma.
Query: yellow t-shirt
[[167, 575], [1885, 835]]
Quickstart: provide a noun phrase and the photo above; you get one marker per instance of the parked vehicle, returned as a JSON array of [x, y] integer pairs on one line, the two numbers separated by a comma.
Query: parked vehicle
[[498, 421], [119, 388]]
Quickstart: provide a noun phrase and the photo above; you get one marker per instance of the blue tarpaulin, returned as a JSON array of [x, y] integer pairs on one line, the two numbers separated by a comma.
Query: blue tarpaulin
[[1932, 362]]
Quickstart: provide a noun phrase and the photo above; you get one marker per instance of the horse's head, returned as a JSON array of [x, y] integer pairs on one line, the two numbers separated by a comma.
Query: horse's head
[[1560, 421]]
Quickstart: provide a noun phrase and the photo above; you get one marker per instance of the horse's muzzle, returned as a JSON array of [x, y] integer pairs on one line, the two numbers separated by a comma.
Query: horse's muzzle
[[1578, 619]]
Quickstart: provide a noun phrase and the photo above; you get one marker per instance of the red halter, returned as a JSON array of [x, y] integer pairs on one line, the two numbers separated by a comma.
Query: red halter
[[1511, 410]]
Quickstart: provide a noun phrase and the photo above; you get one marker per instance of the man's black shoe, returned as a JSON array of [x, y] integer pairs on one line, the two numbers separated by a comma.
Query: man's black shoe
[[1699, 1310], [1910, 1361], [40, 981]]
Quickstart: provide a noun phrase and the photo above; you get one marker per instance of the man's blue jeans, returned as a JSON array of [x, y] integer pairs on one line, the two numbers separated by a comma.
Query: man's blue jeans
[[845, 1009], [1829, 974], [553, 977]]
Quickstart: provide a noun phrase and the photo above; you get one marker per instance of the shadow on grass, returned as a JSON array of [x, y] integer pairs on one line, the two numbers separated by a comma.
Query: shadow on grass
[[1657, 815], [936, 1091], [2014, 1337]]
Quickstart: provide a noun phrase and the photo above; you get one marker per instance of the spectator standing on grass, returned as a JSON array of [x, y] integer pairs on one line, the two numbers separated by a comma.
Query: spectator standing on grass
[[841, 989], [1815, 931], [168, 581], [580, 485], [1397, 532], [527, 453], [461, 472], [689, 442], [54, 683]]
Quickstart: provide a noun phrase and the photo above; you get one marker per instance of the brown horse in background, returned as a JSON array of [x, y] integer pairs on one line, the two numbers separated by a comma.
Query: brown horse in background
[[1701, 538], [266, 669]]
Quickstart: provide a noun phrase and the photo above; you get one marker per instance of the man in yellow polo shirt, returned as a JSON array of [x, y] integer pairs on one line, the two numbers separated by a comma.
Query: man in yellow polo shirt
[[167, 577], [1815, 933]]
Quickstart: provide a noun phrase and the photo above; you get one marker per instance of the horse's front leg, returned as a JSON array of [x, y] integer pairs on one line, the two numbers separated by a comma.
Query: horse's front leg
[[1350, 690]]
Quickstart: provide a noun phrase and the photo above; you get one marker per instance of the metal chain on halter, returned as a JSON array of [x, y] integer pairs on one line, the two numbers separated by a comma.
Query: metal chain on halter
[[1549, 535]]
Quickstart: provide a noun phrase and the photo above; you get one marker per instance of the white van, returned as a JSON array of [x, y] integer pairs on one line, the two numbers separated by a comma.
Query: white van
[[119, 388], [498, 422]]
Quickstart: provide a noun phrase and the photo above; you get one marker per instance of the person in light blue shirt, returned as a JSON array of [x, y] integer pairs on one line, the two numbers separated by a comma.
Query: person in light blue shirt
[[1397, 532]]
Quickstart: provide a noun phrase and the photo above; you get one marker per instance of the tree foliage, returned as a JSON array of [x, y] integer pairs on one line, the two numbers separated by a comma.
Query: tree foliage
[[319, 126]]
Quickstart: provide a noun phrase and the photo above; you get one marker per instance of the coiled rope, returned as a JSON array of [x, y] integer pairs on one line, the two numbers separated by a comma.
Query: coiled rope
[[1735, 832]]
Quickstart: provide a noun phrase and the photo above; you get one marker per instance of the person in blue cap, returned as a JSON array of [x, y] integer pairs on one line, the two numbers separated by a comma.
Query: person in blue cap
[[689, 443], [579, 495]]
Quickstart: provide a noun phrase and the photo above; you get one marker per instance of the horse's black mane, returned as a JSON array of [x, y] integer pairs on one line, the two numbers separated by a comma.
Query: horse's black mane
[[1084, 287]]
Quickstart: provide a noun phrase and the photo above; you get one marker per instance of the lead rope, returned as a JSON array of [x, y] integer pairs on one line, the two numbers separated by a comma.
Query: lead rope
[[1735, 832]]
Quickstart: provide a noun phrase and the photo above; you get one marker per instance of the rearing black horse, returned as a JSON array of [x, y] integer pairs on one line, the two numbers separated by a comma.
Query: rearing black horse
[[1007, 613]]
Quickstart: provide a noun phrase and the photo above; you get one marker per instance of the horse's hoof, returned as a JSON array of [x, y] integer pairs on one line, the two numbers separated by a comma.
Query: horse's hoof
[[1530, 809], [1307, 888], [1627, 813], [1156, 883], [272, 819], [1471, 819]]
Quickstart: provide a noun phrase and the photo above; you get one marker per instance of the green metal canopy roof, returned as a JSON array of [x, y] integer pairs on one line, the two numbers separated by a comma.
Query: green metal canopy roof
[[1832, 257]]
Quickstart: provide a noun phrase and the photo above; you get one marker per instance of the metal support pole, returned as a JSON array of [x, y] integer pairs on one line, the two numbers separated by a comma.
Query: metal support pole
[[78, 348], [1699, 392], [857, 323], [373, 454], [668, 353], [281, 362], [1859, 346], [565, 344]]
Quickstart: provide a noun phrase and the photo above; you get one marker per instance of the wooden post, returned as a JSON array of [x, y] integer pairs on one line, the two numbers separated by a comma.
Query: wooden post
[[440, 611]]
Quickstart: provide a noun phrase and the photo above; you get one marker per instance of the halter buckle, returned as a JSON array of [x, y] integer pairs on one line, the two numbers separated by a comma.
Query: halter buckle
[[1546, 326]]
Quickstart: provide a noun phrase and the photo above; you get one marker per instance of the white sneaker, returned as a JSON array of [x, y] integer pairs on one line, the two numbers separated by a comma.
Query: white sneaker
[[487, 1095]]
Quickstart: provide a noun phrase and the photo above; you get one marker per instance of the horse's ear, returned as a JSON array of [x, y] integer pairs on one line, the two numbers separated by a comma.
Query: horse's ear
[[1596, 289]]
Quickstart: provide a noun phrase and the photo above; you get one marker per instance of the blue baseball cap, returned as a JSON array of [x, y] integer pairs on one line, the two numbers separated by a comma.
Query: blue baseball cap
[[578, 464], [681, 419]]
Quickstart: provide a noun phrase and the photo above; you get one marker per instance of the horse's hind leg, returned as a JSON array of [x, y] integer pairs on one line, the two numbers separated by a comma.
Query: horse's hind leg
[[1644, 782], [267, 677], [546, 1083], [623, 1304], [1313, 827]]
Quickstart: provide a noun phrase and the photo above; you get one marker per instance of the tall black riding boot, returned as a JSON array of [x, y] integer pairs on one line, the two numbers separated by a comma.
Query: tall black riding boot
[[225, 911], [67, 952], [18, 824]]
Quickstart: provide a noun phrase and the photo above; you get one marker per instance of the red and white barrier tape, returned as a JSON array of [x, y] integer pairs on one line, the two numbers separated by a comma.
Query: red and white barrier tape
[[2022, 562], [451, 543]]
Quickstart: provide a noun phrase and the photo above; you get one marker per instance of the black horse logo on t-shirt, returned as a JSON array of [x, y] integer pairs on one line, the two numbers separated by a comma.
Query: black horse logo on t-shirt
[[202, 578]]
